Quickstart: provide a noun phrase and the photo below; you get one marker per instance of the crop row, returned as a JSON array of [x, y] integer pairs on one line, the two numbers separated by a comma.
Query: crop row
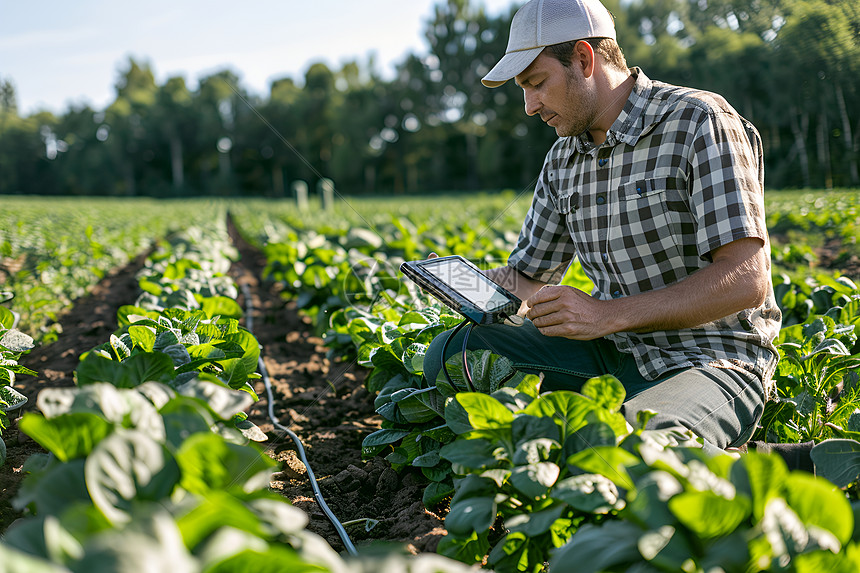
[[52, 251], [157, 459], [502, 453]]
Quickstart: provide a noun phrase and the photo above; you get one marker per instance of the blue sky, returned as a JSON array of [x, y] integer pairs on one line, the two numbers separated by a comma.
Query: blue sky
[[56, 53]]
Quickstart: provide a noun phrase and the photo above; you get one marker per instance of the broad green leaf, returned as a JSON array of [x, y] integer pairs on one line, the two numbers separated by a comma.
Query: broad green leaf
[[489, 371], [473, 514], [395, 384], [151, 539], [208, 462], [222, 401], [609, 461], [382, 376], [535, 479], [467, 549], [184, 417], [649, 503], [125, 468], [530, 385], [16, 341], [145, 367], [40, 489], [435, 493], [526, 427], [595, 549], [535, 450], [221, 306], [413, 358], [708, 514], [272, 559], [589, 436], [567, 409], [846, 561], [427, 460], [434, 400], [216, 510], [837, 460], [606, 390], [783, 529], [383, 437], [237, 370], [816, 502], [591, 493], [669, 551], [43, 536], [150, 287], [513, 553], [729, 553], [471, 453], [533, 524], [484, 412], [120, 347], [143, 337], [415, 410], [181, 355], [512, 399], [457, 417], [6, 317], [67, 436], [25, 562]]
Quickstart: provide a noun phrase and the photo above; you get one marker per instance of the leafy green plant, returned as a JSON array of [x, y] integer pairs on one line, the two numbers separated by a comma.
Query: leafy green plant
[[561, 478], [189, 270], [154, 475], [816, 378], [13, 344], [173, 347]]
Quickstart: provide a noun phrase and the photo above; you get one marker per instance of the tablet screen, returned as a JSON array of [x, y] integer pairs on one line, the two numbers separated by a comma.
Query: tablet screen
[[471, 284]]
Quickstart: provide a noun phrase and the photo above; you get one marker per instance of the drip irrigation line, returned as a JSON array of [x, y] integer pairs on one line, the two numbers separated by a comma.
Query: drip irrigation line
[[341, 531]]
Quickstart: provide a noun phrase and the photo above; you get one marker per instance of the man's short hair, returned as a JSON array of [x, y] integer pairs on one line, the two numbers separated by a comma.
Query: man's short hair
[[607, 48]]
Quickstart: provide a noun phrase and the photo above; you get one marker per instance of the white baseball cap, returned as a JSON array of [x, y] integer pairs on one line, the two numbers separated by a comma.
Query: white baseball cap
[[542, 23]]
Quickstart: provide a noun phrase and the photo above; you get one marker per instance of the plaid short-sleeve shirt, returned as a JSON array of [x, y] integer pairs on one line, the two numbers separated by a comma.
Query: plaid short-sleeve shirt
[[679, 175]]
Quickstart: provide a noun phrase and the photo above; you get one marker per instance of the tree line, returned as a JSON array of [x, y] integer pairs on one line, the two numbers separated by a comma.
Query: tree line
[[790, 66]]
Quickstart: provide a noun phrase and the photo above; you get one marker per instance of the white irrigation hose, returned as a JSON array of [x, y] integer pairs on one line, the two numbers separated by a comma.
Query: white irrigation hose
[[341, 531]]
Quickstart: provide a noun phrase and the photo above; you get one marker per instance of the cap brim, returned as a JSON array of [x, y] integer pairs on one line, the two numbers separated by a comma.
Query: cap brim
[[511, 65]]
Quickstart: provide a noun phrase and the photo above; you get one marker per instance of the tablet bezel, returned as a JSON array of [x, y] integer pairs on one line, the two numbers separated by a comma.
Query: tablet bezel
[[450, 296]]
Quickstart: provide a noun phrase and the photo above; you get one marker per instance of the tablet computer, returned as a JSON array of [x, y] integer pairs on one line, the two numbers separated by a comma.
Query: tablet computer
[[464, 288]]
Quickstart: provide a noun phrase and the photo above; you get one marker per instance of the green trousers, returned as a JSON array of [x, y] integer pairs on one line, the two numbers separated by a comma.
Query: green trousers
[[720, 405]]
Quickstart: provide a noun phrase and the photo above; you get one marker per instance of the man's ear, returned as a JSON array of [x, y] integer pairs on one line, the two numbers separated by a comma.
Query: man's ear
[[583, 57]]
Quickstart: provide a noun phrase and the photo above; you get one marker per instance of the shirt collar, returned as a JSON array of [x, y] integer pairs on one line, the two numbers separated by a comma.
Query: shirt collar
[[630, 123]]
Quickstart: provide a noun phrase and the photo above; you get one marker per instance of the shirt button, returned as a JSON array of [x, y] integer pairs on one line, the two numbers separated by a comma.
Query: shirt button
[[605, 257], [601, 199], [602, 161]]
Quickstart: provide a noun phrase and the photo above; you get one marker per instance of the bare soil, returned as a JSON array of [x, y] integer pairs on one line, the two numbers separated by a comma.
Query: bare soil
[[321, 399]]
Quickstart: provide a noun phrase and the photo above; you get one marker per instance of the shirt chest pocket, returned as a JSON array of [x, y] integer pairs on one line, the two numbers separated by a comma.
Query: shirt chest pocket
[[646, 235], [578, 215]]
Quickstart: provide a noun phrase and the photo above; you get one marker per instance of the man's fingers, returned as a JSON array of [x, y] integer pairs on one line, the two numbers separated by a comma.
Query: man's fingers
[[433, 256], [545, 294], [544, 320]]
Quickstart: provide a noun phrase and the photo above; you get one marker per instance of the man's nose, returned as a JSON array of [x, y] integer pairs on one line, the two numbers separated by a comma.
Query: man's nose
[[532, 102]]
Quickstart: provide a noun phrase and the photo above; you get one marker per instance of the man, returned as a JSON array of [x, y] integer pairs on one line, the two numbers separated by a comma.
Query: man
[[658, 190]]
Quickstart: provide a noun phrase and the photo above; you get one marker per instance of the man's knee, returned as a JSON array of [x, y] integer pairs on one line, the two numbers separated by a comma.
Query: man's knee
[[722, 406]]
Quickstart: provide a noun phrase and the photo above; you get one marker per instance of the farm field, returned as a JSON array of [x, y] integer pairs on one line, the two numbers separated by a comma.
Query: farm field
[[341, 335]]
